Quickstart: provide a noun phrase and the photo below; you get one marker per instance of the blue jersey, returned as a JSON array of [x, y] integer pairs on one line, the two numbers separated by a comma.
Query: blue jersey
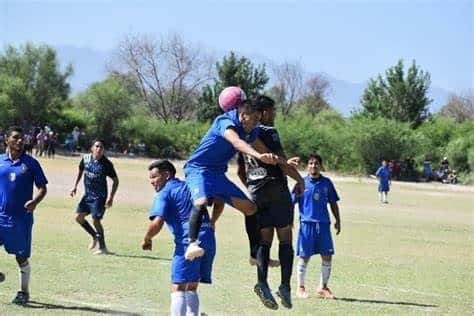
[[173, 203], [16, 187], [384, 175], [313, 202], [214, 151], [95, 175]]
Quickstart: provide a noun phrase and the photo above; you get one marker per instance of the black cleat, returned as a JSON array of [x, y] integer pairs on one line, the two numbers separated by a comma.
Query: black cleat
[[21, 298], [265, 295], [2, 277], [284, 294]]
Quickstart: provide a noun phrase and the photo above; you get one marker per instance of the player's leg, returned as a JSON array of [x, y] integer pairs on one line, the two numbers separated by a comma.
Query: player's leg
[[192, 299], [327, 250], [304, 250], [185, 275], [178, 299], [384, 194], [263, 257], [97, 212], [81, 220], [286, 256], [24, 269]]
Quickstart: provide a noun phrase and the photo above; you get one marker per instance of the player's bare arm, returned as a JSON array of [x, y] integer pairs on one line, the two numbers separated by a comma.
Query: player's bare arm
[[78, 178], [153, 229], [335, 213], [232, 137], [115, 185], [31, 204]]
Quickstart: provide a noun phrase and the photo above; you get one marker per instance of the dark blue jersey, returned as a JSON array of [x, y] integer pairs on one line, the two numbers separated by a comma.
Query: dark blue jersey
[[313, 202], [214, 151], [260, 173], [95, 175], [173, 203], [16, 187]]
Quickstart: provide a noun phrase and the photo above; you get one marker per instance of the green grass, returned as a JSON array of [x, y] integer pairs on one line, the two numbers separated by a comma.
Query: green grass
[[412, 256]]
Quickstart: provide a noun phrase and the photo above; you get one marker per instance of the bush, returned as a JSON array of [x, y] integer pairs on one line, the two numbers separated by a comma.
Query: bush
[[460, 152]]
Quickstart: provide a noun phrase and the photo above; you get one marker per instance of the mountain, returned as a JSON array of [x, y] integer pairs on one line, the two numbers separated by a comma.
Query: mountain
[[89, 66]]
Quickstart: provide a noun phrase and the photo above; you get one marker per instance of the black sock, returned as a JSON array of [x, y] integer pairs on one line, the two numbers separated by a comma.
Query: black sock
[[195, 221], [263, 257], [88, 228], [286, 255], [101, 238], [253, 233]]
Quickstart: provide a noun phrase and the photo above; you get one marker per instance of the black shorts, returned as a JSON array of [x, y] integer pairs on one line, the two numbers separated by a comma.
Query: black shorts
[[93, 206], [274, 205]]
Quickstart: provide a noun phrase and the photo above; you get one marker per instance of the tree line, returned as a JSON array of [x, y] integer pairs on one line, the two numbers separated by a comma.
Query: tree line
[[163, 92]]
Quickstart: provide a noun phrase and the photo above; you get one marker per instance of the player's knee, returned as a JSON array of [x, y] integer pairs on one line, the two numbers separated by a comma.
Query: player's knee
[[96, 221], [326, 258], [80, 218], [21, 260]]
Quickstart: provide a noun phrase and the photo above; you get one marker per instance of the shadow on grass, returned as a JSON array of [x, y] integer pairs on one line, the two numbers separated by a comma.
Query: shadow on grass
[[138, 257], [359, 300], [48, 306]]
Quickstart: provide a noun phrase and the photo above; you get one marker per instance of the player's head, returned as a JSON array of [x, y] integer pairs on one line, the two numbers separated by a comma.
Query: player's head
[[97, 148], [249, 114], [15, 139], [384, 163], [315, 165], [160, 171], [267, 106]]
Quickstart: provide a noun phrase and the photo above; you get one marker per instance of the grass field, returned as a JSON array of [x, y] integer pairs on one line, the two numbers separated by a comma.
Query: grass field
[[412, 256]]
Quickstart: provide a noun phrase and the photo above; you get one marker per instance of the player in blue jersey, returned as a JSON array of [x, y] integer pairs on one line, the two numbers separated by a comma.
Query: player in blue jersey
[[96, 167], [172, 205], [18, 173], [268, 188], [230, 133], [384, 175], [314, 236]]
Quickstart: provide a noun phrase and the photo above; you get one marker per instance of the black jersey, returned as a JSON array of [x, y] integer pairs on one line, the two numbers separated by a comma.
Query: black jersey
[[95, 175], [259, 173]]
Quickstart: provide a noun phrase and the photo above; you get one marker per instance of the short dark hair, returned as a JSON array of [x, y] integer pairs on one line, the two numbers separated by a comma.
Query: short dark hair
[[95, 140], [250, 105], [163, 165], [265, 102], [14, 128], [315, 156]]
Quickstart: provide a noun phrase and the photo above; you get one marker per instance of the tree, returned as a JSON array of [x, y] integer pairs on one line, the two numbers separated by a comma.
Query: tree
[[398, 96], [169, 73], [33, 89], [289, 85], [316, 89], [106, 103], [460, 107], [233, 71]]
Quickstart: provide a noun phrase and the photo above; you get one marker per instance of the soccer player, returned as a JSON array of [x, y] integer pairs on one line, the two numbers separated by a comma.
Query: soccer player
[[205, 170], [18, 173], [314, 236], [383, 174], [172, 205], [96, 167], [268, 188]]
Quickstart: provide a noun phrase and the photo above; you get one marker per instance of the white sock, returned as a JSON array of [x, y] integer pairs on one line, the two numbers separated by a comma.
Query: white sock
[[325, 273], [384, 196], [381, 196], [301, 271], [192, 303], [24, 271], [178, 304]]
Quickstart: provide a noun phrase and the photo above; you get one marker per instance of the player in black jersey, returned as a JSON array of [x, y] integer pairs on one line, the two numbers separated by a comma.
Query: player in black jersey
[[268, 187]]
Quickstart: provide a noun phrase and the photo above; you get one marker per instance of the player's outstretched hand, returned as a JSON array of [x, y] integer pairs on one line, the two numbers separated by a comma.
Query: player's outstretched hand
[[293, 161], [146, 244], [30, 205], [337, 226], [73, 192], [269, 158]]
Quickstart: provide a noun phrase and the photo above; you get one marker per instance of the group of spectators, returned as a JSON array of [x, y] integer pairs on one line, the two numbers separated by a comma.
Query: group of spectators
[[443, 173], [38, 141]]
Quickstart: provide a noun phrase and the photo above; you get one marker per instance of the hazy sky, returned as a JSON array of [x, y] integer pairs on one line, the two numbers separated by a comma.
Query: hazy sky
[[350, 40]]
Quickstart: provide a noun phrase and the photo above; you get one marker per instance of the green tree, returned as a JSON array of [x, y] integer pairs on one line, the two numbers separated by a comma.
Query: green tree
[[107, 104], [233, 71], [399, 96], [33, 89]]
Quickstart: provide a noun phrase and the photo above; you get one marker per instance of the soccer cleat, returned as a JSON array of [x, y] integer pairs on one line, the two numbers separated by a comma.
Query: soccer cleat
[[326, 293], [284, 294], [265, 295], [271, 263], [193, 251], [21, 298], [93, 244], [2, 277], [102, 251], [301, 293]]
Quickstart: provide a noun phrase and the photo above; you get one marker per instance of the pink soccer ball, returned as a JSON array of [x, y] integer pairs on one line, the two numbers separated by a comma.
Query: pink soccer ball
[[231, 98]]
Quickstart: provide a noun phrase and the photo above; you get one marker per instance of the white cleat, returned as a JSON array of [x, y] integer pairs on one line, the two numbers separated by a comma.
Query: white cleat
[[301, 293], [101, 252], [193, 251]]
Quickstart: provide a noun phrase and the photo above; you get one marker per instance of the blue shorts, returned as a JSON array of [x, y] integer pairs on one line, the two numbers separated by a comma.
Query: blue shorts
[[17, 239], [212, 185], [314, 238], [384, 187], [93, 206], [199, 269]]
